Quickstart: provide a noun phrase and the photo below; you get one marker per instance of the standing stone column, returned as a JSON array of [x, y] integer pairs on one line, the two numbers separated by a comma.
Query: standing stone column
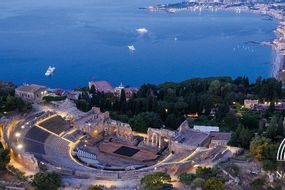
[[117, 132], [159, 142], [156, 142]]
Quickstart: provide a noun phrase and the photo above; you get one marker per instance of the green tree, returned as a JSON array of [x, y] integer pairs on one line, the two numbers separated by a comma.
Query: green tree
[[171, 121], [223, 110], [261, 126], [214, 183], [47, 181], [82, 105], [123, 101], [156, 181], [269, 165], [4, 158], [271, 107], [250, 120], [257, 146], [269, 89], [280, 128], [241, 137], [271, 131], [186, 178], [269, 162], [143, 121], [198, 182], [231, 120], [257, 184], [95, 187], [92, 90], [245, 137], [10, 104], [54, 98], [215, 87], [205, 173]]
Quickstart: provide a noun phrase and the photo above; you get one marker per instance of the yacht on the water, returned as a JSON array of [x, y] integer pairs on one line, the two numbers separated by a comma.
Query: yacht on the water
[[132, 48], [50, 71], [142, 30]]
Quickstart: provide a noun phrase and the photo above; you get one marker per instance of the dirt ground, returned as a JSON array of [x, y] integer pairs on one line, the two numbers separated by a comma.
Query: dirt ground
[[9, 178]]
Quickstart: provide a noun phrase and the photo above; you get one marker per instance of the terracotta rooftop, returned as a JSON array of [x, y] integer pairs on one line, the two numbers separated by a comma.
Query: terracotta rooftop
[[102, 86]]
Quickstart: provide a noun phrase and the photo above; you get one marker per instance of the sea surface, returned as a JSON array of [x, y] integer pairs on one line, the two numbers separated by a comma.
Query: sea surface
[[87, 40]]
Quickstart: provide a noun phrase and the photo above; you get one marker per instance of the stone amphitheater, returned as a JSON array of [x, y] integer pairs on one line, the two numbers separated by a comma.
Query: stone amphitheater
[[95, 147]]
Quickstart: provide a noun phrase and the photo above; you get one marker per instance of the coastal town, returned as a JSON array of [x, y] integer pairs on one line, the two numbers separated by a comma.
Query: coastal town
[[274, 10], [201, 133]]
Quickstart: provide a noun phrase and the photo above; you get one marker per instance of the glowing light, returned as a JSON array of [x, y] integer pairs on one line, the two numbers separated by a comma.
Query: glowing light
[[17, 134], [20, 146]]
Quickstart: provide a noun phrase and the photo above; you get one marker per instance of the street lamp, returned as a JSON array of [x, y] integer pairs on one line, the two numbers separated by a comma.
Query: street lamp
[[17, 134], [20, 146]]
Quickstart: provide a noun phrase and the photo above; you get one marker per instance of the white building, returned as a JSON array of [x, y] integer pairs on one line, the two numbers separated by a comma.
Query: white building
[[249, 104], [31, 93], [206, 129]]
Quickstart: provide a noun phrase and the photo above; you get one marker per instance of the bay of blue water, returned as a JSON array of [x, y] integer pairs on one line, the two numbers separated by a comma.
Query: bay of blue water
[[87, 40]]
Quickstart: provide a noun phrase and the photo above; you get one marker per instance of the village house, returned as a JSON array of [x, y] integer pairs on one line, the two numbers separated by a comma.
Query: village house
[[129, 91], [106, 87], [249, 104], [101, 86], [31, 92]]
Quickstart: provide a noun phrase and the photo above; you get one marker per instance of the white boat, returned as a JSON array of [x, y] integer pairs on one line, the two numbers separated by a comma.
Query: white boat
[[132, 48], [142, 30], [171, 10], [50, 71]]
